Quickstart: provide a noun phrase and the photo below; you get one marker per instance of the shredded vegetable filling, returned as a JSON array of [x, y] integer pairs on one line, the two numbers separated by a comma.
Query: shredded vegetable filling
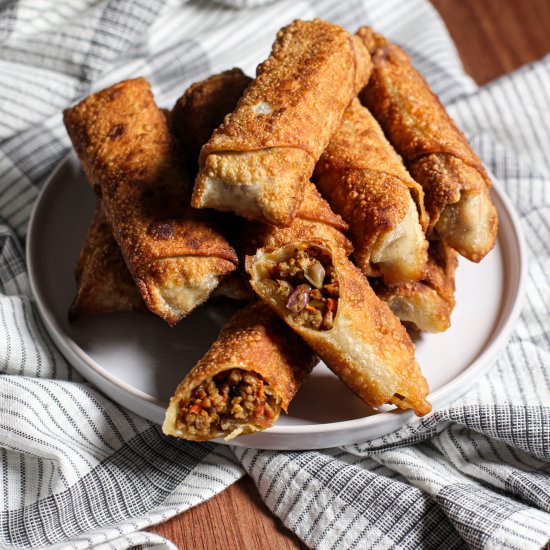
[[226, 402], [308, 286]]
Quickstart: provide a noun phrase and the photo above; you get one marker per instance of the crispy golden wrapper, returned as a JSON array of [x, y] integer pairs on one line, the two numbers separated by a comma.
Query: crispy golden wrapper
[[364, 181], [202, 108], [104, 282], [436, 152], [106, 286], [315, 220], [363, 342], [254, 350], [425, 305], [258, 162], [176, 255]]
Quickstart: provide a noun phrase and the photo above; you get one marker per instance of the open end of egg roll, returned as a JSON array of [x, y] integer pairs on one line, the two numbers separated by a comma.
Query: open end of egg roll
[[231, 403], [425, 305], [251, 372], [316, 290], [303, 281], [400, 254], [266, 185]]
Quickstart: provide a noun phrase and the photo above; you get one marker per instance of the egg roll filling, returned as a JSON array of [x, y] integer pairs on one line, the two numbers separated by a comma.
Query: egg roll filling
[[226, 402], [306, 282]]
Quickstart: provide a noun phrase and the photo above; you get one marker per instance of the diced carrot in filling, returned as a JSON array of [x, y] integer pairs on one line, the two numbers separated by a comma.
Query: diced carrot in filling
[[228, 400], [308, 286]]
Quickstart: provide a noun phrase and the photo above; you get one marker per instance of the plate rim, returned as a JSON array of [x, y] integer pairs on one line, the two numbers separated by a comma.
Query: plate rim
[[498, 339]]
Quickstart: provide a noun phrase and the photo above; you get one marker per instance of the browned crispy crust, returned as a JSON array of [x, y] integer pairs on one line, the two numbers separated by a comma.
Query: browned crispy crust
[[435, 151], [315, 219], [364, 180], [265, 151], [201, 109], [425, 305], [104, 282], [175, 255], [254, 340], [367, 347]]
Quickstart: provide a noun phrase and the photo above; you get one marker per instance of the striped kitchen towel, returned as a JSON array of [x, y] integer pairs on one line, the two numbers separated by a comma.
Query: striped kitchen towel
[[78, 471]]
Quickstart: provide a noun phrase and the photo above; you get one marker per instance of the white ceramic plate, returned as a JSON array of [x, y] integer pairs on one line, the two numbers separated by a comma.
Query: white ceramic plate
[[138, 360]]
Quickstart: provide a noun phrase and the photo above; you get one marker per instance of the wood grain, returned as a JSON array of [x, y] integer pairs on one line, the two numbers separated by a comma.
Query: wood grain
[[493, 37], [236, 518]]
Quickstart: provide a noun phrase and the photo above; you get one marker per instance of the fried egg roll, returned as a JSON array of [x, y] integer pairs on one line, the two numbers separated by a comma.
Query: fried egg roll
[[258, 162], [104, 282], [106, 286], [425, 305], [326, 300], [364, 181], [249, 374], [175, 255], [436, 153]]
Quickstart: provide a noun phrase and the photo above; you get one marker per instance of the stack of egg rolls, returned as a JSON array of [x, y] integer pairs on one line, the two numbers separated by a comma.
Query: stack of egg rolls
[[402, 181], [255, 349], [202, 99], [257, 164], [176, 256]]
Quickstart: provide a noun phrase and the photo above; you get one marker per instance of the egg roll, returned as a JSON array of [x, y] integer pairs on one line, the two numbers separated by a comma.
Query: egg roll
[[258, 162], [251, 372], [364, 181], [425, 305], [327, 301], [104, 282], [436, 153], [175, 255]]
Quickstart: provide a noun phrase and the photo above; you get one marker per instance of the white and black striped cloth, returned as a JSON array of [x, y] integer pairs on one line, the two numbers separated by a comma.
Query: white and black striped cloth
[[78, 471]]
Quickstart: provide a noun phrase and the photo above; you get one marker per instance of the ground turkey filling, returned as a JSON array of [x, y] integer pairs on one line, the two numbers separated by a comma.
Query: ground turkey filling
[[307, 284], [226, 402]]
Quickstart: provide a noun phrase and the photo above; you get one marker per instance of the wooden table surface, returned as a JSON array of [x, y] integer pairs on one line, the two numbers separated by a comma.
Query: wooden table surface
[[493, 37]]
